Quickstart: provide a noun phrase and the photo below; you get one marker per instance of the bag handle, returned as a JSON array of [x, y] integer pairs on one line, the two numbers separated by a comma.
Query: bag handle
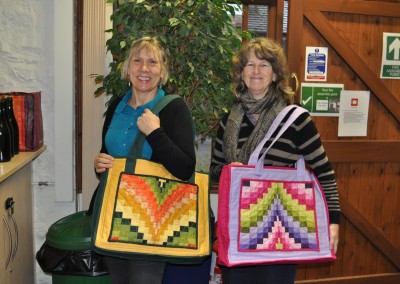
[[277, 121], [300, 165], [137, 145]]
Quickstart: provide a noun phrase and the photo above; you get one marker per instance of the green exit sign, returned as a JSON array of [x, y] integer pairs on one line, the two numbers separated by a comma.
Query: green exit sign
[[391, 56]]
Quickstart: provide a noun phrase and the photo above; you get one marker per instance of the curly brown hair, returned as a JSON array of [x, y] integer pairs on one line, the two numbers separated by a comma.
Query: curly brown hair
[[265, 49]]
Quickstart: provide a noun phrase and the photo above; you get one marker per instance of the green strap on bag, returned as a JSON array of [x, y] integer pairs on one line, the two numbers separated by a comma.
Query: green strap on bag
[[137, 145]]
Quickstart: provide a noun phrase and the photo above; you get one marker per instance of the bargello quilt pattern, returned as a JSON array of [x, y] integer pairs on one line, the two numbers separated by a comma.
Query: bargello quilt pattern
[[155, 211], [277, 216]]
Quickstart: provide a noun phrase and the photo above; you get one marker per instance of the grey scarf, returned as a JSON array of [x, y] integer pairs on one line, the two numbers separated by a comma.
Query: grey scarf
[[268, 108]]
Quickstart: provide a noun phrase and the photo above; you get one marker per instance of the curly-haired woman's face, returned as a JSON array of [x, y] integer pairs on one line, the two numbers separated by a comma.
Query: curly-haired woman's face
[[257, 76]]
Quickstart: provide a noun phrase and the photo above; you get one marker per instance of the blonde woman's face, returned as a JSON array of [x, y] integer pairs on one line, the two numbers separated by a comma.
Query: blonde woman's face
[[145, 72], [257, 76]]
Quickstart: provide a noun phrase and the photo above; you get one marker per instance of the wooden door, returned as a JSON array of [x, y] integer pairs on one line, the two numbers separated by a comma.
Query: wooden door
[[367, 168]]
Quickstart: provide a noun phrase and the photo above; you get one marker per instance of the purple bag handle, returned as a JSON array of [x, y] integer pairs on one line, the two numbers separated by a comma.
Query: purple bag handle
[[259, 163], [278, 119]]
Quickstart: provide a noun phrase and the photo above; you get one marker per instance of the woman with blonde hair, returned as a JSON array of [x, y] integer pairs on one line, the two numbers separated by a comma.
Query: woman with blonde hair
[[169, 138]]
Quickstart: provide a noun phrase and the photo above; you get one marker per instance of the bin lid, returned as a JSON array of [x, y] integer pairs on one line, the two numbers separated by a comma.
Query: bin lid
[[72, 232]]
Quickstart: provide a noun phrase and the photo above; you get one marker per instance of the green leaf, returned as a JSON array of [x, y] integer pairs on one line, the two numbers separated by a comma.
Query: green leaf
[[122, 44], [173, 22]]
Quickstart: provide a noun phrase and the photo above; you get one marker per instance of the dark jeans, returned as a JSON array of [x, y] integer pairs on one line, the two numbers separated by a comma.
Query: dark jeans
[[125, 271], [188, 274], [263, 274]]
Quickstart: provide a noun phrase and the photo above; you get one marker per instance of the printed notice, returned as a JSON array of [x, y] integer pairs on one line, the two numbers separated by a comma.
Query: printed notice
[[321, 99], [316, 63], [353, 114]]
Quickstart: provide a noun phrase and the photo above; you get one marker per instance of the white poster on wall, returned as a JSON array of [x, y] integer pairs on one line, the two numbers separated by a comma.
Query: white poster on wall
[[353, 113]]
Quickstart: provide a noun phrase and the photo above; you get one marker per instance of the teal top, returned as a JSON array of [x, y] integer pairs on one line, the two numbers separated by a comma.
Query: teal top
[[123, 127]]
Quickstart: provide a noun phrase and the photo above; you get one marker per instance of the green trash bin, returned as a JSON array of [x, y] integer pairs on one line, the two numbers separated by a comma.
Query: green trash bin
[[67, 253]]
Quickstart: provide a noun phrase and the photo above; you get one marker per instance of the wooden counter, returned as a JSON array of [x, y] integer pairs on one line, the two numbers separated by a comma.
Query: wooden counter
[[17, 162]]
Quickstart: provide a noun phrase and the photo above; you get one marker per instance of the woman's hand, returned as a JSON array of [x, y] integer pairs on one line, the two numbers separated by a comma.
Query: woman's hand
[[148, 122], [334, 241], [102, 162], [236, 163]]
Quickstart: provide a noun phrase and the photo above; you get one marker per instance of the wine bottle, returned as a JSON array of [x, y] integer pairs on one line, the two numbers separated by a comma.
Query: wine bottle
[[5, 138], [7, 119], [14, 125]]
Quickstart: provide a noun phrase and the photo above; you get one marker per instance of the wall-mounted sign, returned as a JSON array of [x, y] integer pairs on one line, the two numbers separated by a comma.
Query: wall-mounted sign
[[321, 99], [391, 56], [353, 115], [316, 63]]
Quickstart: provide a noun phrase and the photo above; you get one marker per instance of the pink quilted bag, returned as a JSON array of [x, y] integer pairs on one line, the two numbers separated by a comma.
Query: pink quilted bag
[[271, 215]]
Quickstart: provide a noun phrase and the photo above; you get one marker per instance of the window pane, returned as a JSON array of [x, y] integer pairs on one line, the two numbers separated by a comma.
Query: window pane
[[258, 19], [237, 19]]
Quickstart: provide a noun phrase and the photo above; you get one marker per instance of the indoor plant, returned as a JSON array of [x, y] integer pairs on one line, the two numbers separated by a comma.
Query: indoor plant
[[200, 40]]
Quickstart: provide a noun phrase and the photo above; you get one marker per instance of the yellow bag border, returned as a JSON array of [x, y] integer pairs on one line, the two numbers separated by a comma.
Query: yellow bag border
[[146, 167]]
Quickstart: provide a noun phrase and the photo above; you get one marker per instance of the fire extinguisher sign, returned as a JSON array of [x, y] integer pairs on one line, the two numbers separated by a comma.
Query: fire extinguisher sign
[[391, 56]]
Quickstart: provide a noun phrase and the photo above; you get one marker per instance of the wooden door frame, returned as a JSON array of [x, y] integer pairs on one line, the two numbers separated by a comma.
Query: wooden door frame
[[78, 92]]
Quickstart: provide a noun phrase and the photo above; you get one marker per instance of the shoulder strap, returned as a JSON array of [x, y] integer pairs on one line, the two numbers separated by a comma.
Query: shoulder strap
[[137, 145], [163, 102], [278, 120]]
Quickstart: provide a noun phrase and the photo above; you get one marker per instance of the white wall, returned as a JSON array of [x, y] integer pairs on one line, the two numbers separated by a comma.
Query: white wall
[[28, 34]]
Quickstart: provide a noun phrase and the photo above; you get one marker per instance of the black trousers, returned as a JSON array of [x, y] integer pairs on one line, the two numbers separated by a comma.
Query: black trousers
[[125, 271], [262, 274]]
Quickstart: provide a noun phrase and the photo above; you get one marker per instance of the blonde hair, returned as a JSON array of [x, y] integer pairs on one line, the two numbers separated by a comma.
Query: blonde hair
[[151, 44], [269, 50]]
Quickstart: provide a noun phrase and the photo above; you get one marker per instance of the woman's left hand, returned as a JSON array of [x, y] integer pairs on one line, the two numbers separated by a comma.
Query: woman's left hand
[[148, 122], [334, 241]]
